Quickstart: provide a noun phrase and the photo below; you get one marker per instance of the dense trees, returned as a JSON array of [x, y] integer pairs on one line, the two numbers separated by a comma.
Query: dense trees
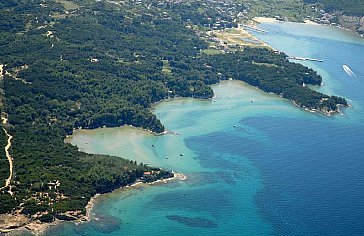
[[273, 73], [348, 7], [104, 65]]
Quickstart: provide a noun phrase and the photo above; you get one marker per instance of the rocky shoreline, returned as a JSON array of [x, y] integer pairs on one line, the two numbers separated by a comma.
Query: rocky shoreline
[[18, 222], [351, 23]]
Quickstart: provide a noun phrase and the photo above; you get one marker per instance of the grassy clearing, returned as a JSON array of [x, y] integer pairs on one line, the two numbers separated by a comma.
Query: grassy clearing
[[28, 25], [166, 69], [58, 16], [211, 51], [238, 36], [68, 5], [264, 64], [232, 31], [292, 10]]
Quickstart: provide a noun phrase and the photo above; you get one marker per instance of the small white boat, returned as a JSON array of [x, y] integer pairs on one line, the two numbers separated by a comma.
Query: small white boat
[[349, 71]]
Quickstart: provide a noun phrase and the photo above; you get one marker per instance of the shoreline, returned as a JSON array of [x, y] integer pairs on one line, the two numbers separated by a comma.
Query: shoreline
[[176, 177], [39, 228], [321, 112], [260, 20], [93, 200], [274, 20], [153, 105], [68, 137]]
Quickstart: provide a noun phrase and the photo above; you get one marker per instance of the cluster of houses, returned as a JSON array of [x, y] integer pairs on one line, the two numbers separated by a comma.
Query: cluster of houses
[[323, 17], [148, 176], [224, 13]]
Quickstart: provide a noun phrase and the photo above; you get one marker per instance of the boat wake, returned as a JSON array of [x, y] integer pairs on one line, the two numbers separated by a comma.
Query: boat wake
[[349, 71]]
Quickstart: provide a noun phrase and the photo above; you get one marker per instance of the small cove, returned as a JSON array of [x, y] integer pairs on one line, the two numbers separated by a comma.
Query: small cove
[[280, 170]]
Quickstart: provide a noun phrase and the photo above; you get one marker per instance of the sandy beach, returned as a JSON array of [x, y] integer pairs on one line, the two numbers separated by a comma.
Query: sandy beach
[[310, 22], [273, 20], [265, 19], [93, 200], [20, 223]]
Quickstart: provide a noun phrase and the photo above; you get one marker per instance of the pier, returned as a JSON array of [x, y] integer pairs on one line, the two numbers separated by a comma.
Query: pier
[[304, 59], [255, 29]]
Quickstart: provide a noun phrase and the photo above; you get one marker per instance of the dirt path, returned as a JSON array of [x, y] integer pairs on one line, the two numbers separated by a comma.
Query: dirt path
[[10, 159], [8, 146]]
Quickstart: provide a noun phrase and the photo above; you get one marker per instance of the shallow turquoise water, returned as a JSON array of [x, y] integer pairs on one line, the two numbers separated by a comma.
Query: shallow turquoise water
[[280, 171]]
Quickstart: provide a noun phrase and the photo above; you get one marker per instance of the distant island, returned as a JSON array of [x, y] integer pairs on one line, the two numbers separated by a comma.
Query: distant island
[[67, 65]]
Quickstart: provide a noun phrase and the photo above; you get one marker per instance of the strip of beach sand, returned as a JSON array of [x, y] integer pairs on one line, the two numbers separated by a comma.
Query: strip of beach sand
[[93, 200], [273, 20], [23, 224]]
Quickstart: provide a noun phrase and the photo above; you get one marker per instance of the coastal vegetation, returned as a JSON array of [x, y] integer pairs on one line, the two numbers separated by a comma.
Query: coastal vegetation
[[347, 7], [346, 13], [273, 73], [288, 10], [93, 64]]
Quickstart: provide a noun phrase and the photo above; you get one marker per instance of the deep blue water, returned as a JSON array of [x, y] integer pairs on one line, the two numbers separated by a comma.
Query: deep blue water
[[279, 171], [313, 173], [313, 170]]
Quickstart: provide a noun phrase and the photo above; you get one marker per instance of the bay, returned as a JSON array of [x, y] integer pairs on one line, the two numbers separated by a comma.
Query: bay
[[280, 170]]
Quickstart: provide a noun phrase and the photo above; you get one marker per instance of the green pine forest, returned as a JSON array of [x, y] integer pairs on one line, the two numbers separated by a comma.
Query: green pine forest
[[88, 64], [347, 7]]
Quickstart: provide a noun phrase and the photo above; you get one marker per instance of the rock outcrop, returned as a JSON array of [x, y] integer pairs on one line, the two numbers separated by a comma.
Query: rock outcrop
[[355, 23], [9, 222]]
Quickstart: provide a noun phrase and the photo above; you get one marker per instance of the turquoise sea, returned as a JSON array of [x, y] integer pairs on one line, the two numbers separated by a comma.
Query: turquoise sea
[[279, 171]]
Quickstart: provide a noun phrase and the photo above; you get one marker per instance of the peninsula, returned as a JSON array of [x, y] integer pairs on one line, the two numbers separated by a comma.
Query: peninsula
[[90, 64]]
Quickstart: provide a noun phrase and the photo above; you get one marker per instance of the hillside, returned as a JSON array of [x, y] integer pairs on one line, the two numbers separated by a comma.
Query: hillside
[[347, 13], [347, 7]]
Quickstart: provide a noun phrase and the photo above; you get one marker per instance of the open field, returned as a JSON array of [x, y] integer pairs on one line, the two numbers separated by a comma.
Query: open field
[[68, 5]]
